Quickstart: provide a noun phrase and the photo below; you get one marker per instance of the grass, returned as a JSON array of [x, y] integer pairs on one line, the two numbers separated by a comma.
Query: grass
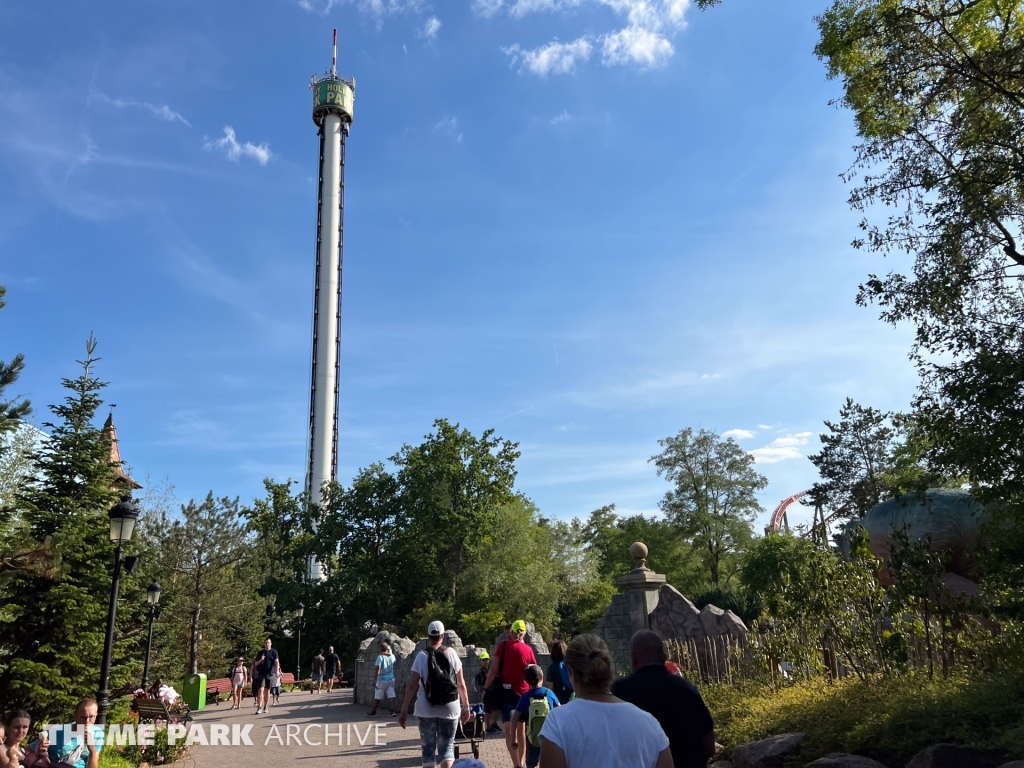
[[110, 758], [888, 719]]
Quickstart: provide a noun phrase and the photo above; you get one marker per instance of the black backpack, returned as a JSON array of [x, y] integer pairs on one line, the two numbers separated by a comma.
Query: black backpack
[[440, 686]]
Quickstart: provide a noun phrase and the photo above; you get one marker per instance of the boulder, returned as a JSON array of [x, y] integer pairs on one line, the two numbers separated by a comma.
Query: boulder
[[721, 764], [1014, 764], [768, 753], [956, 756], [840, 760]]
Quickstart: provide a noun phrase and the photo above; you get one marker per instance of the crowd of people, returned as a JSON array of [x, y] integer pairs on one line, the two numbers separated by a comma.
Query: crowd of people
[[577, 715]]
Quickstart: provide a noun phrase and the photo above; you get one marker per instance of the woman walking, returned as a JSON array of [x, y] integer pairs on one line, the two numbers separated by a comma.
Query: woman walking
[[596, 729], [239, 677]]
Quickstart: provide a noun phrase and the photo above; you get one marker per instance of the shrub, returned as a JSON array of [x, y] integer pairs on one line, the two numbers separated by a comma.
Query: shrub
[[889, 719]]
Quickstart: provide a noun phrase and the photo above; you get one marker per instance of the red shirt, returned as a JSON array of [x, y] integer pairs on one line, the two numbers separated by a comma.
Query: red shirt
[[520, 656]]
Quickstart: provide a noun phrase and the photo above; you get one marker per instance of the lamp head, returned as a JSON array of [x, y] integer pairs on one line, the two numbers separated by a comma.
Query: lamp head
[[153, 593], [299, 610], [122, 522]]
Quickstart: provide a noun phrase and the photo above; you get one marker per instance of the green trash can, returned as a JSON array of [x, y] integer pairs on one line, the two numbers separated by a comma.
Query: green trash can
[[194, 691]]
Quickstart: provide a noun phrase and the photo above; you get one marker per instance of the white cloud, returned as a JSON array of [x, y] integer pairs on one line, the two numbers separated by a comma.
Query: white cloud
[[738, 434], [431, 28], [644, 40], [487, 8], [555, 57], [637, 45], [234, 150], [449, 126], [782, 449], [378, 8], [162, 111]]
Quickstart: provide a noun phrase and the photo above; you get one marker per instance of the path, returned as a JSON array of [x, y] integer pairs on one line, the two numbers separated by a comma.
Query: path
[[397, 749]]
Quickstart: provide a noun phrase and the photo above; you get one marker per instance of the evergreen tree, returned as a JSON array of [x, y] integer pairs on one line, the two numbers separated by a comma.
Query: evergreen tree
[[52, 628], [14, 410]]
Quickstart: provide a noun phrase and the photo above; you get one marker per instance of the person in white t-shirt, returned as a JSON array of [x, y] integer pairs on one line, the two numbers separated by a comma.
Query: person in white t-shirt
[[596, 729], [447, 690]]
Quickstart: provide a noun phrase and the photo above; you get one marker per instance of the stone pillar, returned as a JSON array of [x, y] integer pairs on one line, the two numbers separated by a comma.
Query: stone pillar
[[630, 610]]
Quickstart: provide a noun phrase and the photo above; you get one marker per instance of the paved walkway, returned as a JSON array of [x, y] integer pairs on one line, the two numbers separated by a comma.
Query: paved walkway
[[309, 715]]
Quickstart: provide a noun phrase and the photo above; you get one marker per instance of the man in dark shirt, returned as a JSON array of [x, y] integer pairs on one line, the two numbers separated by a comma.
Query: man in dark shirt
[[267, 663], [673, 701], [333, 664]]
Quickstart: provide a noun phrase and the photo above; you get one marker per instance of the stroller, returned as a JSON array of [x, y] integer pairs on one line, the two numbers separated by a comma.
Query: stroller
[[472, 733]]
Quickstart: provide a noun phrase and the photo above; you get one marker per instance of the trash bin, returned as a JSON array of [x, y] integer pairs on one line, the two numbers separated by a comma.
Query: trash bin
[[194, 691]]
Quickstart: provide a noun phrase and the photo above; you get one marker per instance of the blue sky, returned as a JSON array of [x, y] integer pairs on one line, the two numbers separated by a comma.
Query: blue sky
[[586, 223]]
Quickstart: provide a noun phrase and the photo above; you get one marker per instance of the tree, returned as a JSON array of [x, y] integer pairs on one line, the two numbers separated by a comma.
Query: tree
[[203, 550], [856, 453], [52, 627], [714, 501], [11, 411], [937, 92], [452, 485]]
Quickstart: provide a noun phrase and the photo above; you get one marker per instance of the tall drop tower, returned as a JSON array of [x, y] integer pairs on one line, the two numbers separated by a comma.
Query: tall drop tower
[[333, 99]]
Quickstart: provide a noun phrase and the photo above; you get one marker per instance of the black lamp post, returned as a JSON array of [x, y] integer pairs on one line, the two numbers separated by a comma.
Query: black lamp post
[[122, 526], [301, 609], [152, 597]]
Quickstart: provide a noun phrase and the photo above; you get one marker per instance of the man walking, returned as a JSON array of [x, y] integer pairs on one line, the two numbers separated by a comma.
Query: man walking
[[673, 701], [441, 695], [317, 676], [267, 663], [333, 664], [511, 658]]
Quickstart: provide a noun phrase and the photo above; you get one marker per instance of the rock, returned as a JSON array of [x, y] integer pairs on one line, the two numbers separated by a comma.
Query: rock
[[955, 756], [721, 764], [768, 753], [840, 760], [1014, 764]]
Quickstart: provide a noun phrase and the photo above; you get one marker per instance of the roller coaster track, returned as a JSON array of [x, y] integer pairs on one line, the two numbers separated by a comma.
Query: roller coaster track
[[780, 513]]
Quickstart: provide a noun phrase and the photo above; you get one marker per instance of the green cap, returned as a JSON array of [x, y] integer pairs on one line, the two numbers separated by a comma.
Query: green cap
[[518, 625]]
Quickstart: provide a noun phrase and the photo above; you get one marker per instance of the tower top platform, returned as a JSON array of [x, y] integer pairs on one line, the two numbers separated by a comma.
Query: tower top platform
[[333, 95]]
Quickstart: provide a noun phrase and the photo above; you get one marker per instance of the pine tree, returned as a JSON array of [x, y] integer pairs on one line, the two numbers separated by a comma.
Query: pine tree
[[52, 628], [11, 411]]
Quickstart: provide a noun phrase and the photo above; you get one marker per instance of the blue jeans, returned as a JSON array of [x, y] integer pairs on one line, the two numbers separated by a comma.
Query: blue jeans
[[437, 735]]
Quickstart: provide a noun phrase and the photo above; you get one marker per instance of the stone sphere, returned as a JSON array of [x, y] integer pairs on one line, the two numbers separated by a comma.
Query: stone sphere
[[638, 551]]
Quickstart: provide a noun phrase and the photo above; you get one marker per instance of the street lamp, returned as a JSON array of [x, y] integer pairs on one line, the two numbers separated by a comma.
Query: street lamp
[[122, 526], [299, 610], [152, 597]]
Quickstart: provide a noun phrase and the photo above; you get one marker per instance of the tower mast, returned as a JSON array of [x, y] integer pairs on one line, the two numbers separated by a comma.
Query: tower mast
[[333, 99]]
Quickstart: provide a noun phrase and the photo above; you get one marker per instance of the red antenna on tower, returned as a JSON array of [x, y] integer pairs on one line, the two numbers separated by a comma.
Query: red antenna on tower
[[334, 61]]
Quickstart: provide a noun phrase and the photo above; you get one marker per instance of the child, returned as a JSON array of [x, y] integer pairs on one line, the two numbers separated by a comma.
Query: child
[[532, 708], [239, 677], [275, 687], [490, 715], [384, 679]]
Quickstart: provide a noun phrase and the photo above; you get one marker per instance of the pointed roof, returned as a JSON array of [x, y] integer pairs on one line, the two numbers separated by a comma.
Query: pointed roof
[[109, 432]]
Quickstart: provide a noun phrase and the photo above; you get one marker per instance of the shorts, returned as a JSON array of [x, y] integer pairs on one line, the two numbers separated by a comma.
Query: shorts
[[258, 683], [330, 675], [239, 686], [507, 708], [275, 691], [384, 689], [532, 755], [317, 677]]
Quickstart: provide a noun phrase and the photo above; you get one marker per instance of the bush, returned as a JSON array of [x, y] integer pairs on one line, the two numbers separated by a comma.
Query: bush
[[889, 719]]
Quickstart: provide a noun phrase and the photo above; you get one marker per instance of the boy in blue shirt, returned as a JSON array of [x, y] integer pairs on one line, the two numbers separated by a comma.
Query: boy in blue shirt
[[532, 708]]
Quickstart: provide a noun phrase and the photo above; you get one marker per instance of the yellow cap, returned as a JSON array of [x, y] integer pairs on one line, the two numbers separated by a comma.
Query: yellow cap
[[484, 655], [518, 625]]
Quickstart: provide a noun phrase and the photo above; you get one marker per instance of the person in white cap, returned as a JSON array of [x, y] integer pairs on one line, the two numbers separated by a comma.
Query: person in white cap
[[441, 698]]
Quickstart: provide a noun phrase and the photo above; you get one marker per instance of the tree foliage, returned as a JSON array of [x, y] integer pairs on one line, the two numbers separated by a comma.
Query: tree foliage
[[13, 410], [714, 500]]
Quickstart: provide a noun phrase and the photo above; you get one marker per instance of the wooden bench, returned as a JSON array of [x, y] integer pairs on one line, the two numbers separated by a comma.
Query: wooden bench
[[154, 710], [287, 678], [216, 688]]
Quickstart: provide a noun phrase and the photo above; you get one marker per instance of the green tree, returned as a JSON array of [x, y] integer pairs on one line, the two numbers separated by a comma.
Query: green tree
[[52, 627], [452, 486], [202, 552], [856, 454], [938, 97], [714, 502], [14, 410]]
